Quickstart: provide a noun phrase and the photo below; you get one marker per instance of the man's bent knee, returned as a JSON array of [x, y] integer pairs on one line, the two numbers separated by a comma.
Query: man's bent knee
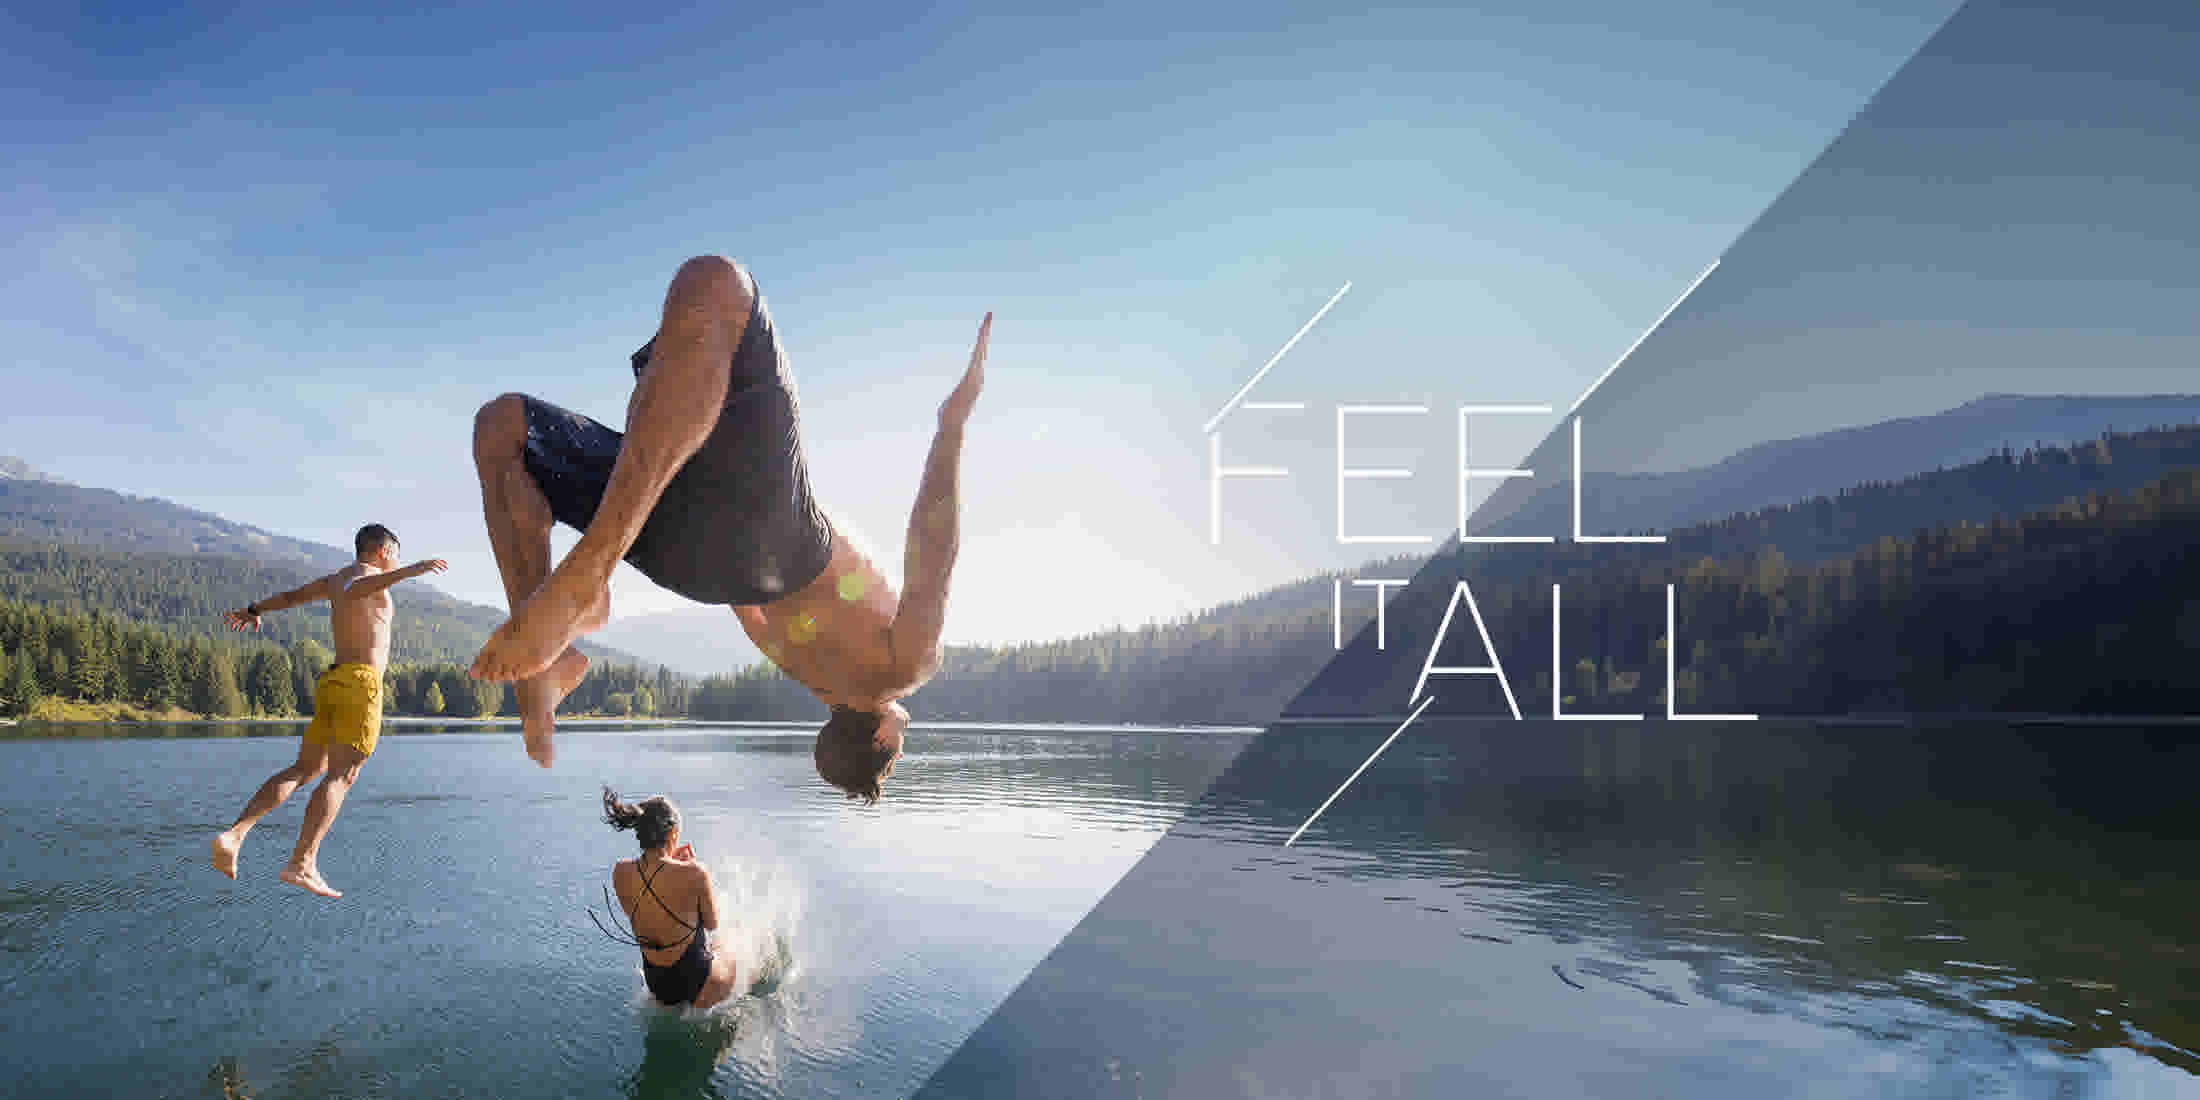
[[500, 427], [715, 283]]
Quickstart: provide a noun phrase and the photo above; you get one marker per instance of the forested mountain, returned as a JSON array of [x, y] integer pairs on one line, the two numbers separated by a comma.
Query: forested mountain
[[2025, 581], [1749, 486], [2051, 579], [153, 562], [2085, 608], [2085, 605], [52, 512], [187, 593]]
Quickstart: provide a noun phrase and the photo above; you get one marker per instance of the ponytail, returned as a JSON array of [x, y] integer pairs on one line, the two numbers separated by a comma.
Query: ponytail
[[652, 819], [619, 815]]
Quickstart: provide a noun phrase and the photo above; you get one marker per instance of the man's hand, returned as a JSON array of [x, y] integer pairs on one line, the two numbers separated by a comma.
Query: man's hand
[[955, 411], [241, 619], [431, 565]]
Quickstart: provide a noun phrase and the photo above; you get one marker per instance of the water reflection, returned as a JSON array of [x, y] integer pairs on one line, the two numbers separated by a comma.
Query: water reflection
[[681, 1055]]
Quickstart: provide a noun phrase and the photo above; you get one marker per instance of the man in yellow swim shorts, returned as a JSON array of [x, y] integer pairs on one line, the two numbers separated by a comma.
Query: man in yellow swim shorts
[[347, 704]]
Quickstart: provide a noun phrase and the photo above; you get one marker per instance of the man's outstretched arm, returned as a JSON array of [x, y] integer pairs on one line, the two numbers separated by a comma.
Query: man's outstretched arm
[[368, 586], [928, 561], [248, 616]]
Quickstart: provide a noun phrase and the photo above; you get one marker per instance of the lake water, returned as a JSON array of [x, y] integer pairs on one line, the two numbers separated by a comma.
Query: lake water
[[1655, 909], [461, 960], [1492, 909]]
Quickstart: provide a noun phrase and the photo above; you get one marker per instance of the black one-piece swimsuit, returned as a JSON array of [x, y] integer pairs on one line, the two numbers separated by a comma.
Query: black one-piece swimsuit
[[679, 983]]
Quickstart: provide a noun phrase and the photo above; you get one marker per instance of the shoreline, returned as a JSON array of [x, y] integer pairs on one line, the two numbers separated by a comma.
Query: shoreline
[[589, 722]]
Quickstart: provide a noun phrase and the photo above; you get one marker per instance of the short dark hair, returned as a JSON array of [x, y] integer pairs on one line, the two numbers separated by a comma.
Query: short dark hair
[[849, 756], [371, 538]]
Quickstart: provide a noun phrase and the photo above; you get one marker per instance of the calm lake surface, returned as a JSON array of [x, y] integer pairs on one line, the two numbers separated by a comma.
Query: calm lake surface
[[1655, 909], [1492, 909], [461, 960]]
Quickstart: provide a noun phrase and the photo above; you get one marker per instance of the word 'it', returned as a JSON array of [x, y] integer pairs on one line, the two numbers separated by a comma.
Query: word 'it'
[[1462, 592]]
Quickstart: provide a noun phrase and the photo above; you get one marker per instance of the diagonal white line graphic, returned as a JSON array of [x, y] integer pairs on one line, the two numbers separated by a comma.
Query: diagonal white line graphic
[[1654, 326], [1272, 361], [1363, 767]]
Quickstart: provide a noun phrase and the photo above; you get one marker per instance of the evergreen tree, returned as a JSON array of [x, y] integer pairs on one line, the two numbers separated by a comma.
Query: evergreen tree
[[165, 678], [460, 700], [86, 663], [308, 660], [489, 696], [268, 684], [22, 685], [194, 676], [222, 697], [56, 680]]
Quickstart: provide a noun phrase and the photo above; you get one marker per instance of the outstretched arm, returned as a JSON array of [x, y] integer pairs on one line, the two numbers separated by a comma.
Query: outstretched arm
[[934, 534], [369, 585], [248, 616]]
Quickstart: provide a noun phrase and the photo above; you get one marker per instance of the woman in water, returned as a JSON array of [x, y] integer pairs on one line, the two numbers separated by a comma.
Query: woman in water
[[670, 904]]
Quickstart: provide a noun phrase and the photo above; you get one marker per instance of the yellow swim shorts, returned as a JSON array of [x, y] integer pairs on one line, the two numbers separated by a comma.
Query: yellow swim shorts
[[347, 708]]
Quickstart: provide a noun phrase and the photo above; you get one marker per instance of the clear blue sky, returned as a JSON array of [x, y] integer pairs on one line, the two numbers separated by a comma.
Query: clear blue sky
[[267, 263]]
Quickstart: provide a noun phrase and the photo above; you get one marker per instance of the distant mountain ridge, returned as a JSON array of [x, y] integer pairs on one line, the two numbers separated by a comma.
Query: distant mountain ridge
[[697, 641], [15, 469], [1786, 470], [75, 515], [1772, 473], [1756, 477]]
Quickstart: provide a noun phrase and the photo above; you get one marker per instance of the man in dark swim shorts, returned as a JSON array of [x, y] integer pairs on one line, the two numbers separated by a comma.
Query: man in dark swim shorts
[[706, 493]]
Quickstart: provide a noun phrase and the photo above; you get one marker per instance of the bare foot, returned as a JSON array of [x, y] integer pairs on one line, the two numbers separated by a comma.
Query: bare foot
[[225, 853], [566, 606], [539, 697], [309, 878]]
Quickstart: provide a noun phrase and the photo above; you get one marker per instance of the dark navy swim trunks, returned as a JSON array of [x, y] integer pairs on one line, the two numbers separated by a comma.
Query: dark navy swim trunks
[[738, 524]]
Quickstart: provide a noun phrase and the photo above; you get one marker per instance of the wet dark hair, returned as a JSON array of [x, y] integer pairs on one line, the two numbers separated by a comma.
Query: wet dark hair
[[371, 538], [849, 756], [652, 819]]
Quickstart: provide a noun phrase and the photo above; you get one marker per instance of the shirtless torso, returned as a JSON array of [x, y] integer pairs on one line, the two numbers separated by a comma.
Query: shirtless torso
[[834, 636], [360, 623]]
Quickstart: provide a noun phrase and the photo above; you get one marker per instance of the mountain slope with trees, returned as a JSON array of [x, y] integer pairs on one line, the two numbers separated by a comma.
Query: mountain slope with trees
[[2054, 579]]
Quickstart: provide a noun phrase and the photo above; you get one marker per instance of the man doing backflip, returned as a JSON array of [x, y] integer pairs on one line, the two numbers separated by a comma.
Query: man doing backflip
[[707, 494]]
